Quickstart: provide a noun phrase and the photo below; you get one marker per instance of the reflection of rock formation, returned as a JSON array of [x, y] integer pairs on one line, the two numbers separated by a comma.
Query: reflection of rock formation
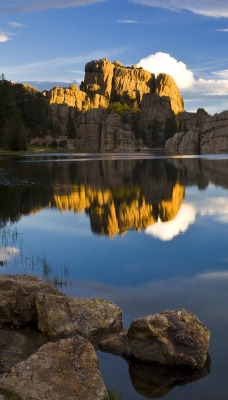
[[117, 211], [168, 209], [118, 195], [155, 381]]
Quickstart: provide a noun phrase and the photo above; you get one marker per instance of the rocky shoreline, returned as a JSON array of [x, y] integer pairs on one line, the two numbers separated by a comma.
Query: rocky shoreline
[[162, 350]]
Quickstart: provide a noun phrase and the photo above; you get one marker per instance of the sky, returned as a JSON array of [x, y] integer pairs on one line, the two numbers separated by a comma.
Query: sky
[[52, 40]]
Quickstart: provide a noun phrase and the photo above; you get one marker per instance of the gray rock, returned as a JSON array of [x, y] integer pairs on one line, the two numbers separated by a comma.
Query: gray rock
[[182, 142], [67, 369], [205, 133], [18, 299], [172, 338], [65, 317]]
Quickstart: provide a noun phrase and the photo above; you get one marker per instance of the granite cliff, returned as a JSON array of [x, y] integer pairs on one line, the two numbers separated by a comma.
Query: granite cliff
[[202, 133], [116, 109]]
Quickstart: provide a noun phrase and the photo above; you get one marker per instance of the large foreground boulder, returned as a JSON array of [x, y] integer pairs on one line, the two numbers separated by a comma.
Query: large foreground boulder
[[61, 317], [18, 299], [172, 338], [67, 369]]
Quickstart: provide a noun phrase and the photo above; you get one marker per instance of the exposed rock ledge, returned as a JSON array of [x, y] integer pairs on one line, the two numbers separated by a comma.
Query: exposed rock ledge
[[68, 368], [205, 134]]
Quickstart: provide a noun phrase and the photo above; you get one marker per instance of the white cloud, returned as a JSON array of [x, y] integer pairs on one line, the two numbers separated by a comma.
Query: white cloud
[[187, 83], [223, 30], [168, 230], [210, 86], [210, 8], [16, 24], [39, 5], [4, 37], [6, 253], [163, 62], [222, 74], [127, 21], [217, 207]]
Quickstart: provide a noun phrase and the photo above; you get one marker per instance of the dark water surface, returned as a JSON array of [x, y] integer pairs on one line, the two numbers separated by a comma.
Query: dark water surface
[[147, 232]]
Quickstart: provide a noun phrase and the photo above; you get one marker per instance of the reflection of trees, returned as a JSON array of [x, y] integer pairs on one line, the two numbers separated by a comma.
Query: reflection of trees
[[117, 195]]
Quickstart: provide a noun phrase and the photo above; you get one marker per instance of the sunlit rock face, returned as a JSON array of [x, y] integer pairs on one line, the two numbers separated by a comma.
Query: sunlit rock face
[[149, 100], [116, 212], [106, 82], [69, 96], [166, 86], [114, 81], [98, 78]]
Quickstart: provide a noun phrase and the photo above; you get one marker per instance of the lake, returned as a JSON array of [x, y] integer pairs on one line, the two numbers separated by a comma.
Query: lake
[[145, 231]]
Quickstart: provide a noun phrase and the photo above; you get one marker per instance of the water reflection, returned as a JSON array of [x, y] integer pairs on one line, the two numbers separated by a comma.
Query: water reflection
[[117, 196], [153, 381], [58, 204]]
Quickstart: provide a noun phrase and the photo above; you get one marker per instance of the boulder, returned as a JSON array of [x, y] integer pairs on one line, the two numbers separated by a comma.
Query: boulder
[[67, 369], [18, 299], [172, 338], [61, 317]]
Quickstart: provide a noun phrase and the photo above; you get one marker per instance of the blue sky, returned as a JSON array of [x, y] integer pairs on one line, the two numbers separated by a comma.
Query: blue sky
[[51, 40]]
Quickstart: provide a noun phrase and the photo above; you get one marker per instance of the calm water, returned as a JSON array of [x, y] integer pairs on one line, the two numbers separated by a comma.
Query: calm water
[[147, 232]]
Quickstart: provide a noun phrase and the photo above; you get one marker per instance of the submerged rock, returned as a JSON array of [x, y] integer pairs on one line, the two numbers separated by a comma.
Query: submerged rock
[[172, 338], [67, 369], [60, 317]]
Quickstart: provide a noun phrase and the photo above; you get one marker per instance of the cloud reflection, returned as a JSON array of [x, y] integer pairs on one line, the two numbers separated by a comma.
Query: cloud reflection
[[7, 253], [168, 230]]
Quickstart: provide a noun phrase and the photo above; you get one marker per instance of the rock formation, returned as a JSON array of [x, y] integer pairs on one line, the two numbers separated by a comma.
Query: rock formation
[[172, 338], [165, 86], [200, 133], [18, 299], [105, 83], [116, 82], [68, 368], [117, 109], [61, 317], [158, 100]]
